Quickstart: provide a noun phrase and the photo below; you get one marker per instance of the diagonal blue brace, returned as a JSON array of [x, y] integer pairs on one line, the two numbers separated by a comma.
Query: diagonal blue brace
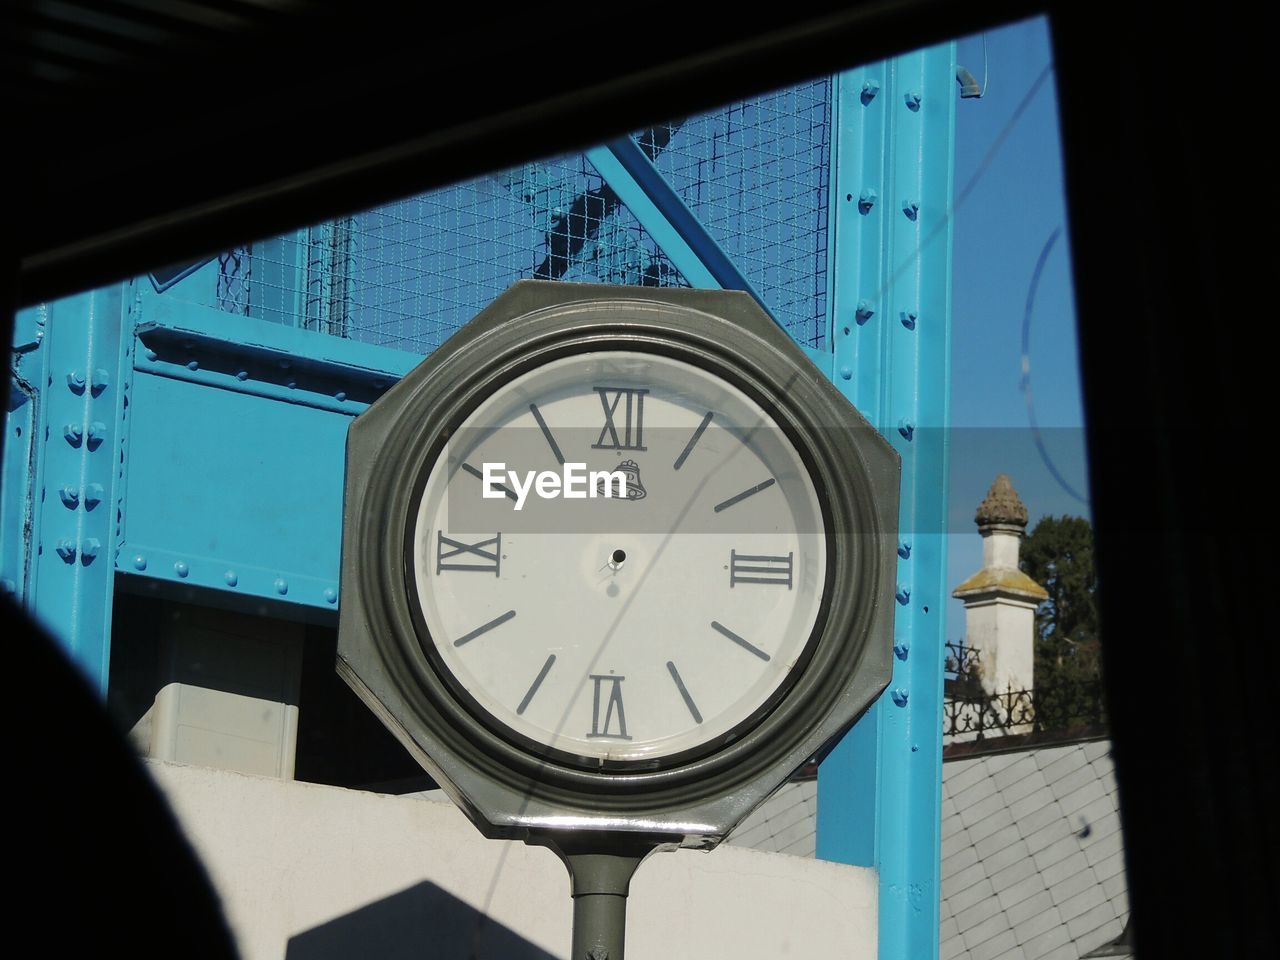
[[649, 196]]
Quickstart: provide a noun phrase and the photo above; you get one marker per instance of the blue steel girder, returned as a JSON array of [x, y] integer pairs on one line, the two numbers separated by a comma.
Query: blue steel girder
[[634, 178], [236, 459], [78, 469], [879, 793]]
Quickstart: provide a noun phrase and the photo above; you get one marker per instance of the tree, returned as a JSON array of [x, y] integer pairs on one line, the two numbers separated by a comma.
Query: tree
[[1058, 554]]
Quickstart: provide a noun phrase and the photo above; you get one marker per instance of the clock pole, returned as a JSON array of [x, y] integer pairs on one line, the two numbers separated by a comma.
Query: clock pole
[[600, 872]]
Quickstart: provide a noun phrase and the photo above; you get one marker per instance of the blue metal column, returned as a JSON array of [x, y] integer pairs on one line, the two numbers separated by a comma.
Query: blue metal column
[[19, 479], [81, 373], [879, 791]]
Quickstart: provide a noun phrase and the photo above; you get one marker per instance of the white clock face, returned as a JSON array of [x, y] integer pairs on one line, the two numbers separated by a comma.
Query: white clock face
[[615, 629]]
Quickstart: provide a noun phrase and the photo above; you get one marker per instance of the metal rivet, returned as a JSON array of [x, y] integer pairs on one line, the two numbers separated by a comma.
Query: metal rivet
[[242, 375], [866, 200], [340, 396], [74, 433], [900, 650], [907, 429], [912, 100], [863, 313], [181, 569], [89, 550], [92, 495], [846, 373], [75, 380], [899, 695], [101, 380], [150, 354], [869, 90], [66, 550], [97, 433], [193, 364], [231, 578], [69, 496], [910, 209], [331, 595], [292, 384], [909, 318], [139, 562], [282, 586], [903, 596], [904, 551]]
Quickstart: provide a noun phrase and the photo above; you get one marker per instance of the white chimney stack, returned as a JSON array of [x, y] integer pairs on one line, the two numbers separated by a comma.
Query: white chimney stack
[[1000, 600]]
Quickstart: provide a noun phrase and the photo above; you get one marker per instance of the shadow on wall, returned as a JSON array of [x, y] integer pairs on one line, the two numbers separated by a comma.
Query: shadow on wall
[[423, 920]]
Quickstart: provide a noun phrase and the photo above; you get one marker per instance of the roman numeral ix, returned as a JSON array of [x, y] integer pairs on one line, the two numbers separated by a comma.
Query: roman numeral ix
[[482, 557]]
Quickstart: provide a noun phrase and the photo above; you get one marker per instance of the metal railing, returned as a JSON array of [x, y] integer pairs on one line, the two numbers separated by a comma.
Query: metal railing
[[1063, 707]]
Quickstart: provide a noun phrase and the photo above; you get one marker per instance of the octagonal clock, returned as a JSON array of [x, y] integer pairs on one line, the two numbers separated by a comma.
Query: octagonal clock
[[618, 559]]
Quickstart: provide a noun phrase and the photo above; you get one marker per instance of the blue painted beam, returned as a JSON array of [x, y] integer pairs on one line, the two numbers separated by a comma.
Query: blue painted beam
[[649, 196], [236, 458], [203, 324], [879, 791], [637, 200]]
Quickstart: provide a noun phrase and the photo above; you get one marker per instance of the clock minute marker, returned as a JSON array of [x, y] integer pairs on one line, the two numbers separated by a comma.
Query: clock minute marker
[[750, 491], [546, 432], [480, 476], [684, 692], [537, 682], [743, 643], [484, 628], [693, 441]]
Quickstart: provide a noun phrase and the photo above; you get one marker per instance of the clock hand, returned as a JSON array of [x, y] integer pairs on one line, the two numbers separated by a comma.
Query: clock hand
[[480, 476]]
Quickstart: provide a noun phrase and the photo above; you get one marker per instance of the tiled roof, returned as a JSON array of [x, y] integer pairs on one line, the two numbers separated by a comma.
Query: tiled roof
[[785, 823], [1032, 855]]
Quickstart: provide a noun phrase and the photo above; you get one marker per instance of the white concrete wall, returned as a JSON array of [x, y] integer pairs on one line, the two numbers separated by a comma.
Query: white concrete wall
[[294, 862]]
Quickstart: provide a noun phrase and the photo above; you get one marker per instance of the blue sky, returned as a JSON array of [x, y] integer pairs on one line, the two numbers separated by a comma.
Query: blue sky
[[999, 233]]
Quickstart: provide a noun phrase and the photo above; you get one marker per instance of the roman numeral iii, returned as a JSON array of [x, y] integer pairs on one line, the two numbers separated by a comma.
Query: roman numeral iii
[[753, 568]]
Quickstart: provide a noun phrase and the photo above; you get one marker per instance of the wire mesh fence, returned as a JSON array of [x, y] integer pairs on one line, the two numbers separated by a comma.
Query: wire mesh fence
[[756, 175], [407, 274]]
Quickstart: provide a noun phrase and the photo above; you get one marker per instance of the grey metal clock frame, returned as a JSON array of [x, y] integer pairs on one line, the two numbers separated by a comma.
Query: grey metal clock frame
[[510, 789]]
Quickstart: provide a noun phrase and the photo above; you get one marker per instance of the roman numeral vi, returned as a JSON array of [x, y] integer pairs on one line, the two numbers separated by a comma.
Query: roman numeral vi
[[614, 700]]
